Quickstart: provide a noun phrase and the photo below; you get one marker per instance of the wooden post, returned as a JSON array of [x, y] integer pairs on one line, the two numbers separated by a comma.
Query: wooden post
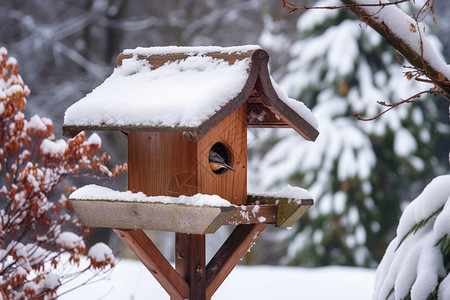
[[190, 263]]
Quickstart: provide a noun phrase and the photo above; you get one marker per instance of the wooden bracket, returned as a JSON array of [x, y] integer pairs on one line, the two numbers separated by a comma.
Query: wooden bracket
[[231, 252], [175, 285], [288, 210], [191, 279]]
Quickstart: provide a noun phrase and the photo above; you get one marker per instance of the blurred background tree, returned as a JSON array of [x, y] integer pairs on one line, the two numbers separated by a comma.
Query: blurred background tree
[[331, 61], [361, 173]]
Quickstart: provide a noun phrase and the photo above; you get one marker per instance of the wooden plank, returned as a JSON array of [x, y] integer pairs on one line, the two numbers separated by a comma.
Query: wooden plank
[[253, 214], [259, 115], [289, 213], [144, 173], [231, 252], [162, 163], [289, 210], [232, 134], [151, 216], [281, 109], [190, 262], [155, 262]]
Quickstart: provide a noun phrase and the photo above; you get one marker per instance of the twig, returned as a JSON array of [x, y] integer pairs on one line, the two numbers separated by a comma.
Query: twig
[[291, 7], [412, 99]]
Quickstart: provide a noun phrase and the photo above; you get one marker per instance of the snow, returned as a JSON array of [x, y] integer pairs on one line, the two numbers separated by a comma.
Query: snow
[[38, 123], [136, 95], [297, 106], [53, 147], [51, 281], [188, 50], [404, 142], [94, 139], [100, 252], [400, 23], [182, 93], [131, 280], [434, 196], [69, 240], [413, 262], [95, 192], [291, 192]]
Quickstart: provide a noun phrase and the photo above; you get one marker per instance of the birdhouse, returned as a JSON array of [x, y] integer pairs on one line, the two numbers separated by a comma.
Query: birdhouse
[[185, 112]]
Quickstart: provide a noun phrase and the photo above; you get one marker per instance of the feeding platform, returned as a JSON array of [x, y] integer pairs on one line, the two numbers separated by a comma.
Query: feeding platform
[[179, 108], [201, 214]]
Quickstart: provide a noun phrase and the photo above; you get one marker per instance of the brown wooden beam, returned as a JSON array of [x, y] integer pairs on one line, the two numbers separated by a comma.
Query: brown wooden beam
[[155, 262], [259, 115], [190, 262], [253, 214], [238, 243]]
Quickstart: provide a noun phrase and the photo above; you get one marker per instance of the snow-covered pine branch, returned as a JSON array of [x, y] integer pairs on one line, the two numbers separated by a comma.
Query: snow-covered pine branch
[[415, 265]]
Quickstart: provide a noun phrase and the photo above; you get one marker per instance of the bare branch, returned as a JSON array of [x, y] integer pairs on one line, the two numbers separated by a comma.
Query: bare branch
[[414, 98], [291, 7]]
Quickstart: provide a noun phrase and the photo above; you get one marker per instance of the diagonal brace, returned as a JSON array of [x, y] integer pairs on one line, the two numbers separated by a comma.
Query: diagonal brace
[[238, 243], [155, 262]]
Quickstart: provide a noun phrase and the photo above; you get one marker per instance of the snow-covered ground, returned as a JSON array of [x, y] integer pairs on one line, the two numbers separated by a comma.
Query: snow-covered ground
[[131, 280]]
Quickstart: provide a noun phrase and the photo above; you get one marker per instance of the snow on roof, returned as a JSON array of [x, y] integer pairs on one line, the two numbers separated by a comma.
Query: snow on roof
[[147, 51], [182, 93], [183, 88]]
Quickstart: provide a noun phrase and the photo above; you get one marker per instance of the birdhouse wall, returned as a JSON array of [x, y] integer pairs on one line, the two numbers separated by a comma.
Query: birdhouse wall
[[232, 133], [161, 163], [168, 163]]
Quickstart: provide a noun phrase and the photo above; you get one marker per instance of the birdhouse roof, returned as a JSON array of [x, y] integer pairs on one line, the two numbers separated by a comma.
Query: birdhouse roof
[[188, 89]]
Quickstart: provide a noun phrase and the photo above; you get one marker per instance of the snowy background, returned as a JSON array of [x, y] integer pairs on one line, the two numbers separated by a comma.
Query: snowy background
[[362, 174], [130, 280]]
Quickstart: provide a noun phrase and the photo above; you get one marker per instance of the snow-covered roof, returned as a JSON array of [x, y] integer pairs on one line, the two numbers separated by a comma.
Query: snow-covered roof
[[186, 89]]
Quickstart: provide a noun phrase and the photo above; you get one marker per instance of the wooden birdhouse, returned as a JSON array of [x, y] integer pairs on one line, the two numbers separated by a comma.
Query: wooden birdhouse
[[177, 106]]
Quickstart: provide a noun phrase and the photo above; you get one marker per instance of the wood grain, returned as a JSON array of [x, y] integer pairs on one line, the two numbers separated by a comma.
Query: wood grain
[[190, 262], [161, 163], [155, 262], [231, 252], [232, 133]]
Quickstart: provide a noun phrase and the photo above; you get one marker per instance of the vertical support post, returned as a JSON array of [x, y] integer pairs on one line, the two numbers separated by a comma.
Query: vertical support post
[[190, 262]]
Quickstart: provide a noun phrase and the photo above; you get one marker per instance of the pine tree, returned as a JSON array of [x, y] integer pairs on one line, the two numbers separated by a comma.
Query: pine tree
[[41, 241], [360, 173], [417, 262]]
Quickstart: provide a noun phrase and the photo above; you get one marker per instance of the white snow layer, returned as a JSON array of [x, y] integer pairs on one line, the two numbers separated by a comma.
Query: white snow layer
[[101, 252], [413, 261], [131, 280], [300, 108], [181, 93], [146, 51], [95, 192], [405, 28], [290, 192]]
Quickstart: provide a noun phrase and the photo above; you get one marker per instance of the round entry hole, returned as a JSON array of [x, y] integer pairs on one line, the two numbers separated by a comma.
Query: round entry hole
[[220, 159]]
